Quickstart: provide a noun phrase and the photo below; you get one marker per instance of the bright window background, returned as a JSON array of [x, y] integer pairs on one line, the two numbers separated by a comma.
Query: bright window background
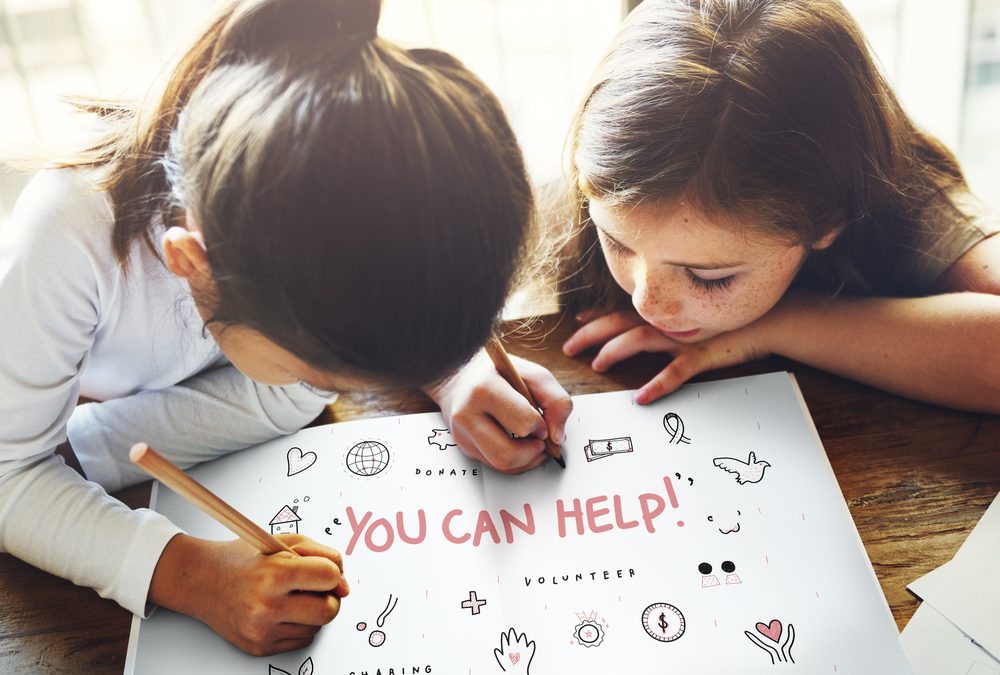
[[943, 57]]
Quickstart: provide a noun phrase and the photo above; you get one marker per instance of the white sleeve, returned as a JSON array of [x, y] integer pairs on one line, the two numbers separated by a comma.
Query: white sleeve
[[52, 282], [208, 415], [49, 516]]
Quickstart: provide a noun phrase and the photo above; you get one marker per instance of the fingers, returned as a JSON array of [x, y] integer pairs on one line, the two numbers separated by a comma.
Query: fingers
[[686, 365], [309, 573], [635, 341], [600, 330], [316, 568], [554, 401], [484, 436], [310, 609]]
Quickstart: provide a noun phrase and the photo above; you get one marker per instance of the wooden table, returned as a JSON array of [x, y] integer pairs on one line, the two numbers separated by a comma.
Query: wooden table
[[916, 478]]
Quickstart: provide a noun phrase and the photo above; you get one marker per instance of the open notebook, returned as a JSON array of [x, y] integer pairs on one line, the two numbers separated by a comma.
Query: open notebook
[[705, 533]]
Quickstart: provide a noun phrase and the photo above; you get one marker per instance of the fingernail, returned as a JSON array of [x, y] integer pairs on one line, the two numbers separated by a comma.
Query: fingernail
[[559, 437], [597, 365], [579, 317], [568, 348], [343, 588], [642, 396]]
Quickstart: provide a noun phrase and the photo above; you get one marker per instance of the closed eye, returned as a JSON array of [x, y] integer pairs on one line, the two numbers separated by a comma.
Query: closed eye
[[710, 284], [616, 249]]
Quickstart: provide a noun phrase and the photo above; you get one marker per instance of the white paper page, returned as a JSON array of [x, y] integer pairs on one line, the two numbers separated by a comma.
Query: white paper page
[[965, 590], [935, 646], [799, 563], [790, 585], [417, 589]]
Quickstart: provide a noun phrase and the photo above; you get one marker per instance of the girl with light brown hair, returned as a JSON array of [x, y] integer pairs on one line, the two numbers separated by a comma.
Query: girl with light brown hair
[[756, 189], [303, 207]]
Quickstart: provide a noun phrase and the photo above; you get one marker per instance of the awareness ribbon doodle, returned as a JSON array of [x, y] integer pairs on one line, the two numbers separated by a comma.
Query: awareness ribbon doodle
[[674, 425]]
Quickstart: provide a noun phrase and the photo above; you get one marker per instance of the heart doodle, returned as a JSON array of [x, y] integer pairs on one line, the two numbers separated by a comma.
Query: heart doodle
[[514, 658], [299, 461], [771, 631]]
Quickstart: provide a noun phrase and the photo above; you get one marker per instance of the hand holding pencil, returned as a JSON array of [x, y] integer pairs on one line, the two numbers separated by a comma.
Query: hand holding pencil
[[264, 604], [504, 411]]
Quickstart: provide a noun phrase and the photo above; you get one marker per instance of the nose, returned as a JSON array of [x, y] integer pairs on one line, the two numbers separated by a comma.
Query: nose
[[654, 297]]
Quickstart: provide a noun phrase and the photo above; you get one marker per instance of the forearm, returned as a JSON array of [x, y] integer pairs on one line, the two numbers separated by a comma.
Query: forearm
[[54, 520], [940, 349], [200, 419]]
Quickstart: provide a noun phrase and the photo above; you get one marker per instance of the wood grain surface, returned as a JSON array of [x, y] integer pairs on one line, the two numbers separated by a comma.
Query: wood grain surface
[[916, 478]]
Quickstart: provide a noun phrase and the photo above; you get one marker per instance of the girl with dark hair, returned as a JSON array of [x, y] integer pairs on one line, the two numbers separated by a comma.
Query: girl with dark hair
[[756, 189], [303, 207]]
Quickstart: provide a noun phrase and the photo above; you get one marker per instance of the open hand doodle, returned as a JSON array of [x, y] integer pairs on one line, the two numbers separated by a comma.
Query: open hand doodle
[[515, 652], [778, 648]]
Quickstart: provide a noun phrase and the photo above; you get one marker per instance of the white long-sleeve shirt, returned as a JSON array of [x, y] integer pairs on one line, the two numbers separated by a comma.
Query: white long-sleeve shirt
[[72, 323]]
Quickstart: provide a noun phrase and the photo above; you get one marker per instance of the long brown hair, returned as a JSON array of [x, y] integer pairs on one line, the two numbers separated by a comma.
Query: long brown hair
[[363, 205], [770, 110]]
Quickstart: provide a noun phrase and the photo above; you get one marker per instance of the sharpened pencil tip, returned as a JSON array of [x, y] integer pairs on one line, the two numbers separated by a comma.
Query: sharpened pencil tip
[[560, 461]]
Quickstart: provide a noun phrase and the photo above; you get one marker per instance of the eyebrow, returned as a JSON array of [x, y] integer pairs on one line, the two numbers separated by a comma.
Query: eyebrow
[[694, 266]]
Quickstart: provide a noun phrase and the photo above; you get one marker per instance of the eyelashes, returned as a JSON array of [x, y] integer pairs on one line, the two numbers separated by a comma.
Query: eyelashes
[[710, 284]]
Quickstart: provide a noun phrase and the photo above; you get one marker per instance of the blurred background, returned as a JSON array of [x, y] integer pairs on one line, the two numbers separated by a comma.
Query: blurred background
[[942, 57]]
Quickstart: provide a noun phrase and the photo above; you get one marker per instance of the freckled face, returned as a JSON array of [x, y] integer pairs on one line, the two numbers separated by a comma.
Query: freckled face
[[689, 276]]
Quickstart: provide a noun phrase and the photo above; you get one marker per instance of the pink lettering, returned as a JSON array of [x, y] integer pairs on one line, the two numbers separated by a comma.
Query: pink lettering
[[509, 522], [593, 514], [446, 528], [485, 526], [421, 520], [649, 515], [357, 529], [562, 514], [622, 524]]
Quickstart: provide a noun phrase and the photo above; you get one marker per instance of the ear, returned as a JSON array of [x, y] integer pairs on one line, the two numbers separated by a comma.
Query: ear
[[185, 255], [827, 239]]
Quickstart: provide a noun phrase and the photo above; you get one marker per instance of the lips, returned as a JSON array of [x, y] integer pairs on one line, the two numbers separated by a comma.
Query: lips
[[681, 334]]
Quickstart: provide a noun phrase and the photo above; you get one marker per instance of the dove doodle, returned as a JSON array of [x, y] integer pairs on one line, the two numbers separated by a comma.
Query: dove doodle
[[750, 471]]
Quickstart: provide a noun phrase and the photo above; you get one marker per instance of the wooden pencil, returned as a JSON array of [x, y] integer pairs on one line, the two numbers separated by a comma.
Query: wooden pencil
[[501, 361], [165, 471]]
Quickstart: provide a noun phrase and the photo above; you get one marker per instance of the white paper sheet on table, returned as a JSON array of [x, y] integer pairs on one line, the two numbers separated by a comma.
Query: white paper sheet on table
[[956, 630], [601, 568]]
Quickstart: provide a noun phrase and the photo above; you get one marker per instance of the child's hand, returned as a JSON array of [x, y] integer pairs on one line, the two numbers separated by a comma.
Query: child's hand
[[263, 604], [483, 410], [624, 334]]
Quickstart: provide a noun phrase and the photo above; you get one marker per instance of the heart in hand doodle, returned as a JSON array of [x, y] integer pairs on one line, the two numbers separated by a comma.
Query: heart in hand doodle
[[771, 631], [514, 658], [299, 461]]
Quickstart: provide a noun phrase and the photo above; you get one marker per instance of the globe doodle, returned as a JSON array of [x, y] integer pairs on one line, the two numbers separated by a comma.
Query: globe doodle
[[367, 458]]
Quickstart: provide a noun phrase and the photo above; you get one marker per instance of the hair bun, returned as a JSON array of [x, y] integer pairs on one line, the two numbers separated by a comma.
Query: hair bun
[[357, 17]]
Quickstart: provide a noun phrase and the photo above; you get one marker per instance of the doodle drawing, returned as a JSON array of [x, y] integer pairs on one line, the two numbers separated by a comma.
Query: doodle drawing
[[441, 438], [777, 647], [305, 669], [732, 526], [286, 520], [663, 622], [515, 653], [605, 447], [709, 580], [367, 459], [589, 632], [674, 425], [377, 638], [750, 471], [299, 461], [473, 603]]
